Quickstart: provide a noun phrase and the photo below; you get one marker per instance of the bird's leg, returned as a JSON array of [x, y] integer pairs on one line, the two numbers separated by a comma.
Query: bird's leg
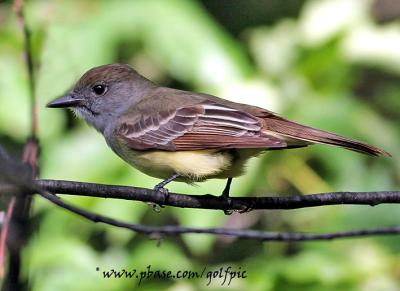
[[160, 186], [225, 196], [225, 193]]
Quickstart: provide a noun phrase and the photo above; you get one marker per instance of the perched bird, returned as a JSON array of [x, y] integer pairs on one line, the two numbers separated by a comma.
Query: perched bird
[[185, 136]]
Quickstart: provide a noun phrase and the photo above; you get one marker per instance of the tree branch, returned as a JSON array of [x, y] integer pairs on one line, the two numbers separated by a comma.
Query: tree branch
[[208, 201], [159, 232], [10, 169]]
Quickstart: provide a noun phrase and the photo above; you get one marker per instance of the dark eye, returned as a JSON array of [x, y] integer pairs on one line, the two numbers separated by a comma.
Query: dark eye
[[99, 89]]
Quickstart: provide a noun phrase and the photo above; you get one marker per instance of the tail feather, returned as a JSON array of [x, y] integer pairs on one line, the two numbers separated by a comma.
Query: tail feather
[[298, 132]]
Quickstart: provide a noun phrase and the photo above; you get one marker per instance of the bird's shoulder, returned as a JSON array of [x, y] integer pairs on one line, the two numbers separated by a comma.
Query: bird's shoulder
[[164, 99]]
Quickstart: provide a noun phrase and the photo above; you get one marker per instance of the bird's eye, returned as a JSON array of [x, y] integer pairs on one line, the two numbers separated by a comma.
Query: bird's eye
[[99, 89]]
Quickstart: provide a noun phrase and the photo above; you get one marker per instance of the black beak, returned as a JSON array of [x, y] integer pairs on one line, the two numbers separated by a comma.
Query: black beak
[[65, 101]]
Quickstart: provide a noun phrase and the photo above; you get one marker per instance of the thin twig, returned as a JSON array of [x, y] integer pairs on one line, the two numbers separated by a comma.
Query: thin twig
[[19, 11], [208, 201], [158, 232], [19, 222], [4, 234]]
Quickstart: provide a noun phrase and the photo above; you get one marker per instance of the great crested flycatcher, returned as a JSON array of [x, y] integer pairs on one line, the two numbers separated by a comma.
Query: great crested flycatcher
[[185, 136]]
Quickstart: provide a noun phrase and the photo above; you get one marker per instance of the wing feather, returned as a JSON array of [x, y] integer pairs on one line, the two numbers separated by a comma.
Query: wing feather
[[205, 125]]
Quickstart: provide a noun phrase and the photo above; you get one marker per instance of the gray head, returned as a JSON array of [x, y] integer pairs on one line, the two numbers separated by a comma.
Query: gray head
[[103, 93]]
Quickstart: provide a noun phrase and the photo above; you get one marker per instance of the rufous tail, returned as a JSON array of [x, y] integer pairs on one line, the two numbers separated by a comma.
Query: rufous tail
[[300, 132]]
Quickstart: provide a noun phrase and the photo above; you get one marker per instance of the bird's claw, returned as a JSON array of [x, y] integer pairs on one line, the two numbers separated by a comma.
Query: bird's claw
[[228, 200], [245, 209], [164, 192]]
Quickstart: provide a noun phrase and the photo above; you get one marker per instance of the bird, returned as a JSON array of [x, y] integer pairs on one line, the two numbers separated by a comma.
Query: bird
[[178, 135]]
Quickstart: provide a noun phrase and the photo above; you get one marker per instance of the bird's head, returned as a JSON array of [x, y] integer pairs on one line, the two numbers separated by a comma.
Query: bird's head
[[103, 93]]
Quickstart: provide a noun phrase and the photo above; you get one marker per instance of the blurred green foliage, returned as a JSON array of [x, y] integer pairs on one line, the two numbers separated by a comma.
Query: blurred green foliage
[[323, 63]]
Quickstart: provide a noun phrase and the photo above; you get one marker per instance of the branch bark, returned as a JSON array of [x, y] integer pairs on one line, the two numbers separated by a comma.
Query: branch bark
[[207, 201], [159, 232]]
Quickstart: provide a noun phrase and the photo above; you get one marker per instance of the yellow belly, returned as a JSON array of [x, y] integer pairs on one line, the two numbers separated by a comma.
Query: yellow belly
[[191, 165]]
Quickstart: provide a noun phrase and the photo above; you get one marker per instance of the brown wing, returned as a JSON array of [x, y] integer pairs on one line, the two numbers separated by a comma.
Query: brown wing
[[206, 125]]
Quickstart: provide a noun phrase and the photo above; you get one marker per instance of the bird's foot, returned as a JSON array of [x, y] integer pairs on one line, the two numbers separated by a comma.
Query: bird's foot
[[164, 191], [157, 206], [160, 188], [245, 209], [225, 196]]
